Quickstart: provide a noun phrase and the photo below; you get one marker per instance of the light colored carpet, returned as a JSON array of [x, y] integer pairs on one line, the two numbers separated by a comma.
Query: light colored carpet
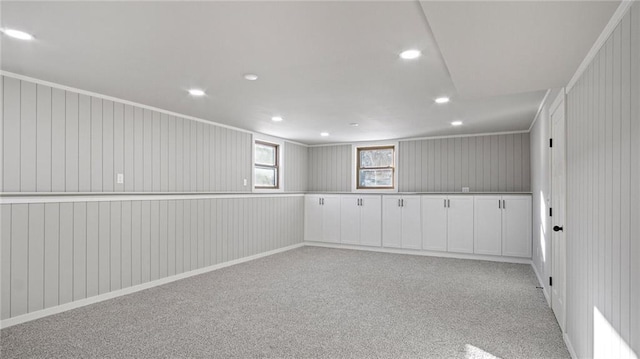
[[313, 302]]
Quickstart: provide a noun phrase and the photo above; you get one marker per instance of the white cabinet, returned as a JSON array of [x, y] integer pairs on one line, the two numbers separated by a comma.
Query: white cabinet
[[516, 226], [488, 225], [401, 226], [460, 224], [434, 223], [361, 220], [503, 225], [322, 218]]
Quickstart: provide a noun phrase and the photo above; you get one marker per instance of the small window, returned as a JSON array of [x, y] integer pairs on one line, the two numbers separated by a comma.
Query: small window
[[376, 167], [266, 165]]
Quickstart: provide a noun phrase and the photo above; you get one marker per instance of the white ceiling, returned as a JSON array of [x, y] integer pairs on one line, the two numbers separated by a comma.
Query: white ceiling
[[321, 65], [493, 48]]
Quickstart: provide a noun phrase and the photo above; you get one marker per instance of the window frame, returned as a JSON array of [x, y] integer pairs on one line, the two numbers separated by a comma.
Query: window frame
[[277, 166], [358, 167]]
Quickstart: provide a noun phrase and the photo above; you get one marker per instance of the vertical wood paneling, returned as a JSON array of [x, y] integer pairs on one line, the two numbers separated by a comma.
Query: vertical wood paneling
[[193, 172], [5, 265], [138, 150], [104, 247], [28, 150], [93, 248], [11, 135], [154, 243], [36, 257], [71, 148], [51, 253], [96, 144], [84, 143], [19, 258], [179, 236], [145, 242], [186, 165], [171, 238], [118, 145], [125, 250], [147, 157], [108, 179], [163, 239], [164, 153], [79, 250], [43, 139], [179, 156], [136, 242], [128, 134], [171, 157], [65, 279], [115, 261], [155, 152], [58, 142]]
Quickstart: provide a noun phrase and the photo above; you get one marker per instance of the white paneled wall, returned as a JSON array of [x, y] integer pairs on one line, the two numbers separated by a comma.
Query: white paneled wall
[[56, 253], [330, 168], [296, 160], [497, 163], [63, 141], [603, 200]]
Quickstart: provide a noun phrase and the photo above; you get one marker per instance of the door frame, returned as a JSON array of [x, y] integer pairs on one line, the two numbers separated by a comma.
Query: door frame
[[560, 101]]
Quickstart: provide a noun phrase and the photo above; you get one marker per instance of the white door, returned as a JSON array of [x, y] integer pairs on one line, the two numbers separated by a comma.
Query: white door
[[331, 219], [312, 218], [460, 224], [558, 183], [516, 226], [487, 227], [370, 221], [434, 223], [350, 219], [411, 226], [391, 221]]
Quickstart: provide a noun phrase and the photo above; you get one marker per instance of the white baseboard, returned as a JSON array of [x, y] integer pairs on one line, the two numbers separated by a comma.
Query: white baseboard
[[572, 352], [419, 252], [544, 288], [117, 293]]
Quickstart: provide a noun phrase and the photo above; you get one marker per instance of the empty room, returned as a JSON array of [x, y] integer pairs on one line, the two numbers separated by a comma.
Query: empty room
[[320, 179]]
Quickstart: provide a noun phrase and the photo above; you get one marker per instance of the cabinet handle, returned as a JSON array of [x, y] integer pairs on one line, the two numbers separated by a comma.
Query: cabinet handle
[[319, 201], [504, 204], [445, 203], [448, 203], [361, 202], [398, 203], [322, 201], [500, 204]]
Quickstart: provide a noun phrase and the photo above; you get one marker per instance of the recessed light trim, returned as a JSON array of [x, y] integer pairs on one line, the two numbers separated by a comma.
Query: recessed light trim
[[276, 119], [17, 34], [456, 123], [250, 77], [441, 100], [354, 124], [196, 92], [410, 54], [324, 134]]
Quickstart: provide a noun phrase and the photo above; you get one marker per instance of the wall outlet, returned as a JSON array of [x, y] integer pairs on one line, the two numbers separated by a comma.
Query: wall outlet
[[465, 189], [244, 182], [120, 178]]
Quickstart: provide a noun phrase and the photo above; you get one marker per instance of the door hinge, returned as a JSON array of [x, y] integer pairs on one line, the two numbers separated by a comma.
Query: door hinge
[[550, 281], [550, 212], [551, 142]]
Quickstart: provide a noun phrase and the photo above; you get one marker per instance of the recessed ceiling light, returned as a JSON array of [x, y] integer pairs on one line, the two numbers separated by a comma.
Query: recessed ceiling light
[[442, 100], [250, 77], [410, 54], [17, 34], [324, 134], [276, 119], [354, 124], [196, 92], [456, 123]]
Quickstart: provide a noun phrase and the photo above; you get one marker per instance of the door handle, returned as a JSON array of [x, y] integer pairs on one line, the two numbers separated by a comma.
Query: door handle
[[557, 229], [499, 204], [448, 203], [402, 201], [323, 201], [319, 201], [398, 203], [504, 204], [445, 203]]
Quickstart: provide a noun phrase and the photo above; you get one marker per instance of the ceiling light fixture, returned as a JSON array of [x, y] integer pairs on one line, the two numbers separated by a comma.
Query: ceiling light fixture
[[196, 92], [250, 77], [410, 54], [324, 134], [456, 123], [276, 119], [17, 34], [354, 124], [442, 100]]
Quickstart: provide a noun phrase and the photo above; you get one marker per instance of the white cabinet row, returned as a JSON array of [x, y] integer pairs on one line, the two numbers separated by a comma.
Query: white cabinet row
[[479, 224]]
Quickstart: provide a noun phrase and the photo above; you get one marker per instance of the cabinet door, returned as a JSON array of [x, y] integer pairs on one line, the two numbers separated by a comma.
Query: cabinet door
[[391, 221], [312, 218], [349, 220], [331, 219], [370, 221], [434, 223], [516, 226], [460, 224], [411, 226], [487, 228]]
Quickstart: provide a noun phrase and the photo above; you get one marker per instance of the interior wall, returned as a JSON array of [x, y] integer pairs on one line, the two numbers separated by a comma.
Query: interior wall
[[603, 199], [296, 161], [330, 168]]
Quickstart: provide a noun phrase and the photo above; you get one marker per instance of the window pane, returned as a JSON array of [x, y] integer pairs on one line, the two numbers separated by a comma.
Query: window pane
[[265, 177], [265, 155], [376, 178], [376, 158]]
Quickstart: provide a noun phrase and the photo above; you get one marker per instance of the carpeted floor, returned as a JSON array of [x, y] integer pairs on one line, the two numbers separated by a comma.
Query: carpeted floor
[[313, 302]]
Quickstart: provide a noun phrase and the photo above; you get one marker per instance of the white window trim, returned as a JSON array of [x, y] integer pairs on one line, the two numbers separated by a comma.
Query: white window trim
[[354, 164], [280, 144]]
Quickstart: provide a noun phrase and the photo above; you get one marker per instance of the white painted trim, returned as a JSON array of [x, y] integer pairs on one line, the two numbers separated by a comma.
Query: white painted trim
[[617, 16], [544, 288], [127, 102], [572, 351], [276, 141], [21, 197], [418, 252], [358, 143], [544, 100], [559, 100], [118, 293], [354, 164]]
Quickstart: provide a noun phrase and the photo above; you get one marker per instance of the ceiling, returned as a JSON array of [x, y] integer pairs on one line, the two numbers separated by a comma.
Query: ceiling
[[515, 46], [321, 65]]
